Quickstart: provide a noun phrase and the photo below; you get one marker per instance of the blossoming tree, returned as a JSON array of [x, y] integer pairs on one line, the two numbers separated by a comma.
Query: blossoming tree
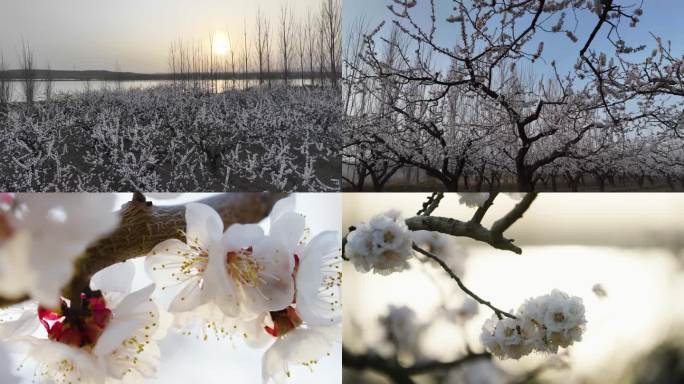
[[66, 274], [469, 90]]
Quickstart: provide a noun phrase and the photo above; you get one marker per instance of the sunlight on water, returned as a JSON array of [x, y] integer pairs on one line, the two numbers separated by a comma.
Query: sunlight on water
[[78, 86]]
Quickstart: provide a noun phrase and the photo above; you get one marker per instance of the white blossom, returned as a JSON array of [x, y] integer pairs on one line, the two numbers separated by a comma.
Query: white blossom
[[543, 324], [480, 371], [402, 327], [468, 309], [111, 338], [307, 329], [242, 271], [382, 245], [42, 234], [473, 200]]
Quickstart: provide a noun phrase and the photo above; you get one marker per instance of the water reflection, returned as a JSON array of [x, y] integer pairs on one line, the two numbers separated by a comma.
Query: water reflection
[[80, 86]]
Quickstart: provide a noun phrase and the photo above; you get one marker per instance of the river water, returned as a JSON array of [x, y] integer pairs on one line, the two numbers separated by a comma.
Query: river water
[[79, 86]]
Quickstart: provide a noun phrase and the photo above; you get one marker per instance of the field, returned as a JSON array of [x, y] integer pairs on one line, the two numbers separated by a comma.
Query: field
[[174, 139]]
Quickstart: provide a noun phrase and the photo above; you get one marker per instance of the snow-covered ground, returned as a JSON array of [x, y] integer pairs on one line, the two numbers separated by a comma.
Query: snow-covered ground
[[174, 139]]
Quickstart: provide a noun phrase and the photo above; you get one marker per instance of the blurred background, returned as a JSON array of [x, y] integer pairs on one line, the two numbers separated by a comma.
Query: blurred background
[[186, 359], [621, 253]]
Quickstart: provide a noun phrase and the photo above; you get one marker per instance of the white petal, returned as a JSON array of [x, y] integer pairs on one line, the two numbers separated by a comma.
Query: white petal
[[5, 371], [114, 335], [217, 284], [204, 225], [296, 347], [52, 355], [25, 325], [319, 280], [134, 312], [15, 273], [281, 207], [163, 264], [273, 365], [190, 297], [133, 362], [116, 278], [50, 273], [240, 236], [254, 332], [275, 290], [288, 229], [59, 228]]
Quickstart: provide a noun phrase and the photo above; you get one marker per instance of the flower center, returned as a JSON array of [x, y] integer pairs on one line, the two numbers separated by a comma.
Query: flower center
[[195, 262], [78, 327], [242, 267], [284, 321], [558, 317], [388, 237]]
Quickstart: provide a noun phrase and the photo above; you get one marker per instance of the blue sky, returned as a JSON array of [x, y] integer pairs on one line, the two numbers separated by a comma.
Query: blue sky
[[661, 17]]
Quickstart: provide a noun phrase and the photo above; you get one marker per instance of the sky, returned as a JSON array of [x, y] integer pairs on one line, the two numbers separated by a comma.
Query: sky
[[87, 34], [661, 17]]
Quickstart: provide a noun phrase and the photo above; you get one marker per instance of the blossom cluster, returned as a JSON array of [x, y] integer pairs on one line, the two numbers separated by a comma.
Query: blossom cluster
[[543, 324], [38, 243], [272, 289], [266, 289], [382, 245], [111, 336]]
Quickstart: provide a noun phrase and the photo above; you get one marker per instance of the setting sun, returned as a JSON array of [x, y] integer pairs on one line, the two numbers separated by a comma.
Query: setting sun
[[221, 43]]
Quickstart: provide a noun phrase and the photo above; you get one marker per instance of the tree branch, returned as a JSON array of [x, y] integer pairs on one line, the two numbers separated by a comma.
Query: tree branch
[[391, 369], [396, 372], [501, 225], [499, 313], [459, 228], [144, 225]]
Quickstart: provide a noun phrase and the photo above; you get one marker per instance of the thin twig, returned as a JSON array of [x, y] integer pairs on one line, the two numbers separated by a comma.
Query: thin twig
[[499, 313]]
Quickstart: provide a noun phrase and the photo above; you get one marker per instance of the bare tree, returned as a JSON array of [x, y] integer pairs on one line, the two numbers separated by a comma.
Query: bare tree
[[311, 40], [232, 60], [320, 48], [286, 25], [211, 64], [301, 48], [331, 21], [267, 50], [172, 62], [48, 83], [28, 72], [246, 54], [5, 85], [261, 42], [119, 75]]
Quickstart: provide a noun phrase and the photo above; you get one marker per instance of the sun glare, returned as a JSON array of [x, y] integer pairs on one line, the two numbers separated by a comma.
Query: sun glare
[[221, 43]]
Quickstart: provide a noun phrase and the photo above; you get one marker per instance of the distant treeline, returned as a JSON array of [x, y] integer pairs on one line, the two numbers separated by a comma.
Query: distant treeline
[[60, 75]]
